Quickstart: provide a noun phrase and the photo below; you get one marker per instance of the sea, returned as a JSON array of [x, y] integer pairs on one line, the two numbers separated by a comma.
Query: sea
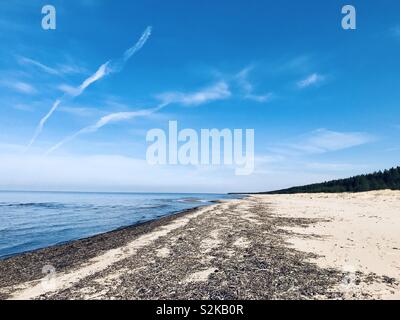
[[34, 220]]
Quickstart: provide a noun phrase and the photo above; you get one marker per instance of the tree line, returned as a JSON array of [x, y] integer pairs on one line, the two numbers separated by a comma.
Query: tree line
[[387, 179]]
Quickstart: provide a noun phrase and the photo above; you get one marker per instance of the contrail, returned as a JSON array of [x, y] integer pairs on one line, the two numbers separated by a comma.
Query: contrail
[[100, 73], [143, 39], [113, 117], [117, 65], [78, 91], [43, 121], [105, 69]]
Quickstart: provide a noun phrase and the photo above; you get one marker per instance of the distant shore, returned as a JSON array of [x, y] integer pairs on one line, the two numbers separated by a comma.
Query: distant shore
[[321, 246]]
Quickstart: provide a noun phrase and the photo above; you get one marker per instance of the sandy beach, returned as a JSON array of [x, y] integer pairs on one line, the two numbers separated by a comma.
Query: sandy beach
[[304, 246]]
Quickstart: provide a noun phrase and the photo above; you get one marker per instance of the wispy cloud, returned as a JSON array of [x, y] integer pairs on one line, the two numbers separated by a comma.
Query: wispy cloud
[[41, 66], [260, 98], [105, 69], [248, 89], [71, 68], [111, 118], [218, 91], [80, 111], [67, 89], [24, 87], [20, 86], [59, 70], [322, 141], [312, 79]]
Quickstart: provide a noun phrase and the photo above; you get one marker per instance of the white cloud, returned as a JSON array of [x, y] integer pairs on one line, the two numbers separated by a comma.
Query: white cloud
[[219, 91], [312, 79], [306, 159], [20, 86], [113, 117], [241, 78], [60, 70], [71, 68], [323, 140], [248, 89], [67, 89], [260, 98], [120, 116], [41, 66], [79, 111], [216, 92]]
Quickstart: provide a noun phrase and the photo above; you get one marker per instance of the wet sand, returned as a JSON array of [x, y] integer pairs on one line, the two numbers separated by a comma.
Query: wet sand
[[260, 247]]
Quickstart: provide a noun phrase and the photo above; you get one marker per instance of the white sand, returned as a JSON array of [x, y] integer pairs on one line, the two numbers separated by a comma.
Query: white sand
[[200, 276], [361, 232], [242, 243]]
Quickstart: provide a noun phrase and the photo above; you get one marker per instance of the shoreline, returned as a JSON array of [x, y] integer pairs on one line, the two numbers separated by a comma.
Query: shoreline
[[258, 247], [27, 266], [3, 258]]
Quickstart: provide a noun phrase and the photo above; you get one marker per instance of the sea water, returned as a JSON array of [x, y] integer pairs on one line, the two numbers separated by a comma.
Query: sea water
[[33, 220]]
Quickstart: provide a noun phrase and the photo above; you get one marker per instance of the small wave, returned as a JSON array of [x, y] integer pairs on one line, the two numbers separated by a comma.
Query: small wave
[[192, 200], [152, 206], [51, 205]]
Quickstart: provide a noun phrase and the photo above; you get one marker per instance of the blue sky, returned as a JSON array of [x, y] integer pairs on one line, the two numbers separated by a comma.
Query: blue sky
[[324, 102]]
